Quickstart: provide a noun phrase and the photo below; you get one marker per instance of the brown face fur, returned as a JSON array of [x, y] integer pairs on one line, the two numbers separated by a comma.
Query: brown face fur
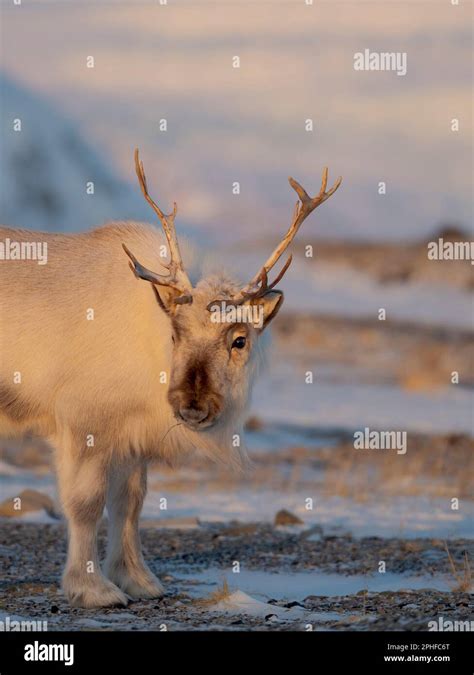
[[212, 362]]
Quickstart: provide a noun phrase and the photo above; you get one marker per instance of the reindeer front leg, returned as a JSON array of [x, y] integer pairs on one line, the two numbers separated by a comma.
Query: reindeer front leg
[[124, 564], [82, 486]]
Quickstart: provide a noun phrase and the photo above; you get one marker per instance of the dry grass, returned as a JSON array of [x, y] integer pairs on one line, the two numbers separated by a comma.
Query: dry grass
[[412, 546], [414, 357], [462, 577], [433, 467], [427, 369], [216, 596]]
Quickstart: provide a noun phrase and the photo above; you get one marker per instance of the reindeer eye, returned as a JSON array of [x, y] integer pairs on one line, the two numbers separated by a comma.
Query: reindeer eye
[[239, 343]]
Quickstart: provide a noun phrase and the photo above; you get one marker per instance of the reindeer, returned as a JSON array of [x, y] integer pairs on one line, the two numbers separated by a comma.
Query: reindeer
[[115, 372]]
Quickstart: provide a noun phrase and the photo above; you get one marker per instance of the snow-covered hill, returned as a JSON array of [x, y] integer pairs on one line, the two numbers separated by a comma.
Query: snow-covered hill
[[46, 165]]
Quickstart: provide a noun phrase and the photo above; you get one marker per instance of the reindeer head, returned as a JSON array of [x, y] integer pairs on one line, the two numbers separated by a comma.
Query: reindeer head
[[216, 325]]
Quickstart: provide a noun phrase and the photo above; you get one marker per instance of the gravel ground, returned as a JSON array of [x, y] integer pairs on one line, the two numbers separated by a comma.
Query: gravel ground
[[32, 556]]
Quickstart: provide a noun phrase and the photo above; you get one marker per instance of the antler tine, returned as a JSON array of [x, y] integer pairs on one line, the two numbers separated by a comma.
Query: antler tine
[[324, 181], [334, 188], [177, 275], [264, 287], [306, 204], [175, 265], [140, 171], [282, 272], [142, 272]]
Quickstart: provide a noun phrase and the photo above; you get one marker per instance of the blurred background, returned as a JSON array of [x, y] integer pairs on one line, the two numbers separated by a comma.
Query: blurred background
[[174, 63]]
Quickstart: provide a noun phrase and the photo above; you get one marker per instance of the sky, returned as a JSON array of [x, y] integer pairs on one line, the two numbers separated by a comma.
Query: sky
[[246, 125]]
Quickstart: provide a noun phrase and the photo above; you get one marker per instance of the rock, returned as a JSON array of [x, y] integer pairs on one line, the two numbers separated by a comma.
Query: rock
[[271, 617], [285, 517], [30, 573], [26, 502], [29, 453], [254, 423]]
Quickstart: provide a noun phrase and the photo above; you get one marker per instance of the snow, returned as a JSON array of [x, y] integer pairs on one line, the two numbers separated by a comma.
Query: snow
[[354, 406], [7, 469], [251, 590], [112, 620], [44, 169], [239, 602], [296, 586], [408, 516]]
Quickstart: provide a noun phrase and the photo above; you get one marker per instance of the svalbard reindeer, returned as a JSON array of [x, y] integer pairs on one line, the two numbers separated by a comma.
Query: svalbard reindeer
[[116, 372]]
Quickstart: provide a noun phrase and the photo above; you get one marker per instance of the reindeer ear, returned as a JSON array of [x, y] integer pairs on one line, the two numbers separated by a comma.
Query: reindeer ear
[[270, 304], [167, 297]]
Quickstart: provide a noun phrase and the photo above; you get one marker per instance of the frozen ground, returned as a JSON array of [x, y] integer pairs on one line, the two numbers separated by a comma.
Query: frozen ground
[[298, 585], [353, 406], [395, 505], [322, 572], [286, 581], [404, 517]]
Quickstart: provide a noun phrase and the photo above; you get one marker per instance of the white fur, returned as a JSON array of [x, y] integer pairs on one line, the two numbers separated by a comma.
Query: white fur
[[94, 389]]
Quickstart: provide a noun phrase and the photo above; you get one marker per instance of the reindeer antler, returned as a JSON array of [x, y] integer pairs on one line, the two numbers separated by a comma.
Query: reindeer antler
[[177, 277], [259, 285]]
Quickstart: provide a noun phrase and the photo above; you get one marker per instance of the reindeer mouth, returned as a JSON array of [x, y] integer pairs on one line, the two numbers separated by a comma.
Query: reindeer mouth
[[196, 424]]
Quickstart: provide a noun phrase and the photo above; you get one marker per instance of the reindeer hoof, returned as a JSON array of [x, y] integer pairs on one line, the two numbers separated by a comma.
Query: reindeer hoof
[[92, 594]]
